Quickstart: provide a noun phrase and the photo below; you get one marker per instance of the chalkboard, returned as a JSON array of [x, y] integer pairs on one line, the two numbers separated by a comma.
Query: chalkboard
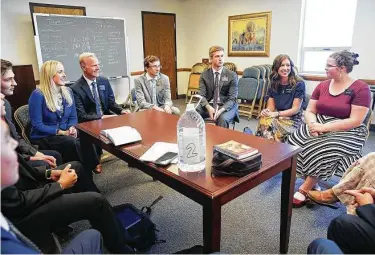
[[64, 38]]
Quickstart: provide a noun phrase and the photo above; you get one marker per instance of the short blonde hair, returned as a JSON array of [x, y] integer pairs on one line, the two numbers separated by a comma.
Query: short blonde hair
[[84, 56], [213, 49], [48, 70]]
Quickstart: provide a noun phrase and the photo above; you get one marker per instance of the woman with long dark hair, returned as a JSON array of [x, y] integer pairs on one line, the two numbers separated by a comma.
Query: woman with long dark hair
[[285, 98]]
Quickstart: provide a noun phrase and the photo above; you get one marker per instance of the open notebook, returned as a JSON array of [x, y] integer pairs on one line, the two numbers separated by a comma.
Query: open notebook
[[122, 135]]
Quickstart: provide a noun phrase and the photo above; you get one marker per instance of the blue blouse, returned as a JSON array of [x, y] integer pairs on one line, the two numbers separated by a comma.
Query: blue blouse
[[45, 123], [286, 94]]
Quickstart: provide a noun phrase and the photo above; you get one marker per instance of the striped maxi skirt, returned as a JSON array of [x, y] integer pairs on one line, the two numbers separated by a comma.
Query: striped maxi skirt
[[330, 153]]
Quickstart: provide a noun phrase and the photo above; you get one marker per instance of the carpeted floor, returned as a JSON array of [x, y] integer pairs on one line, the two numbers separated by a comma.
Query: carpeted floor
[[250, 223]]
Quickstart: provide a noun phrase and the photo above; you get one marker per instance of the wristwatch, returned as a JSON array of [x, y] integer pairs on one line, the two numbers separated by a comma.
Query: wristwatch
[[48, 174]]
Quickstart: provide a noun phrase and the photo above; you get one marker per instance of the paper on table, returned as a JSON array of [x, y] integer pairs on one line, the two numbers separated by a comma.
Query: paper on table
[[157, 150]]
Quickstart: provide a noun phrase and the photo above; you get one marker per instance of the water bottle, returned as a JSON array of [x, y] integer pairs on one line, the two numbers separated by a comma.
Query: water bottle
[[191, 140]]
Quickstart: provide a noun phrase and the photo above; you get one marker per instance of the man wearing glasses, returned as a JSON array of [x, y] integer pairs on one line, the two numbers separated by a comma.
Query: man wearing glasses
[[153, 90]]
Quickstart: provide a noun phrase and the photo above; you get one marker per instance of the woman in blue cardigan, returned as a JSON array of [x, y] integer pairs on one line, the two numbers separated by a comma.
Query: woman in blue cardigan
[[53, 116]]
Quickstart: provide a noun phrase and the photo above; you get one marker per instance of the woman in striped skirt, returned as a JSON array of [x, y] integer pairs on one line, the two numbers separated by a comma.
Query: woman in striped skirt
[[334, 133]]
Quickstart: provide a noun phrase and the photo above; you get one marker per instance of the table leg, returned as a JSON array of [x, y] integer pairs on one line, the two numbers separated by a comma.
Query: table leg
[[211, 226], [287, 189]]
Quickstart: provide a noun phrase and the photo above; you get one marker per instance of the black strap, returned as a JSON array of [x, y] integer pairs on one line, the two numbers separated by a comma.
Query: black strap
[[147, 209]]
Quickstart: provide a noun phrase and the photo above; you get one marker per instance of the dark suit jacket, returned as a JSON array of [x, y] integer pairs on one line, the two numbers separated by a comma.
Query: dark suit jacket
[[23, 148], [28, 193], [11, 245], [85, 104], [228, 87], [367, 213]]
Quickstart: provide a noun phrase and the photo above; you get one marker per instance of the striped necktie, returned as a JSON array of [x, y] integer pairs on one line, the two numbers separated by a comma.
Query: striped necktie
[[216, 89], [96, 98]]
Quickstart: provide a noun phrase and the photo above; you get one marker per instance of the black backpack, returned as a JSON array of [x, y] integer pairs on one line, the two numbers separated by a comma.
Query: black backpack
[[140, 231]]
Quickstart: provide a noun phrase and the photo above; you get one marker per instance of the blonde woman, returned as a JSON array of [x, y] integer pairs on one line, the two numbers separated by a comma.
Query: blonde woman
[[53, 116]]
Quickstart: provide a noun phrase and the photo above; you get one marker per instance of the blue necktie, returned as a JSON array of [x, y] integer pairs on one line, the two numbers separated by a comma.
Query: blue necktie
[[96, 99]]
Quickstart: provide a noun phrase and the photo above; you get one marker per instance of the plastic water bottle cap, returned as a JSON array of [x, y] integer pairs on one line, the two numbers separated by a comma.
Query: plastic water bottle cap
[[190, 107]]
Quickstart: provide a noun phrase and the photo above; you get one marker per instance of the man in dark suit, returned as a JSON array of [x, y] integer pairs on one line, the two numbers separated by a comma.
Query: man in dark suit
[[218, 88], [45, 158], [93, 94], [38, 208], [12, 240], [351, 233]]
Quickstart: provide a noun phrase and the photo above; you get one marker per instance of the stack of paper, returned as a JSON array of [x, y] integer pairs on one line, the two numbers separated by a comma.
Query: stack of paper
[[157, 150], [122, 135]]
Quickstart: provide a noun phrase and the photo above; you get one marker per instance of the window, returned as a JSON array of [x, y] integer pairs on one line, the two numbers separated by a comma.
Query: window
[[327, 27]]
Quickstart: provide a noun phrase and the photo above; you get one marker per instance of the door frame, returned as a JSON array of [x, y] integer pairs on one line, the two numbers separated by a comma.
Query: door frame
[[175, 41]]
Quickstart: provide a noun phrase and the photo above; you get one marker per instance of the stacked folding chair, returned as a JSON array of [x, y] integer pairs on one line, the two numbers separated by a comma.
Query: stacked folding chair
[[249, 91]]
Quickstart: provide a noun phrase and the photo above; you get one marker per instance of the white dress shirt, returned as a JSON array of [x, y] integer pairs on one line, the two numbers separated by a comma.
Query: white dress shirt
[[89, 82], [4, 223]]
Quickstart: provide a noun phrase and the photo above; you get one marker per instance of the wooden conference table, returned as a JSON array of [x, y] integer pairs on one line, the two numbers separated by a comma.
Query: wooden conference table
[[209, 191]]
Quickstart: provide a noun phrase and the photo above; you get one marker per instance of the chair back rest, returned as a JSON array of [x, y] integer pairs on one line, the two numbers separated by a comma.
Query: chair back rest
[[133, 95], [194, 81], [251, 72], [367, 120], [248, 84], [231, 66], [199, 68], [22, 118]]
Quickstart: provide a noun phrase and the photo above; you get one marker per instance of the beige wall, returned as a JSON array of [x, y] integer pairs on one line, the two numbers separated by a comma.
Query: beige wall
[[17, 41], [200, 24]]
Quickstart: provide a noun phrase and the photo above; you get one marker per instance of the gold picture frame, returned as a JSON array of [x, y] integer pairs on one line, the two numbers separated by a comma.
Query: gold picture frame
[[249, 35]]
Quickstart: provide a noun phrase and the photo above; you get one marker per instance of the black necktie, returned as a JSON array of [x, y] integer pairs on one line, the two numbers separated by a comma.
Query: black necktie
[[14, 231], [217, 90]]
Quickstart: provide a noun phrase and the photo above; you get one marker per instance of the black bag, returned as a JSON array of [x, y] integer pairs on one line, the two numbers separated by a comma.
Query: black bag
[[223, 165], [140, 231]]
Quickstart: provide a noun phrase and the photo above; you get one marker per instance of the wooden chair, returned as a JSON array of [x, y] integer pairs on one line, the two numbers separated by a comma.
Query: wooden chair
[[231, 66], [193, 85]]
